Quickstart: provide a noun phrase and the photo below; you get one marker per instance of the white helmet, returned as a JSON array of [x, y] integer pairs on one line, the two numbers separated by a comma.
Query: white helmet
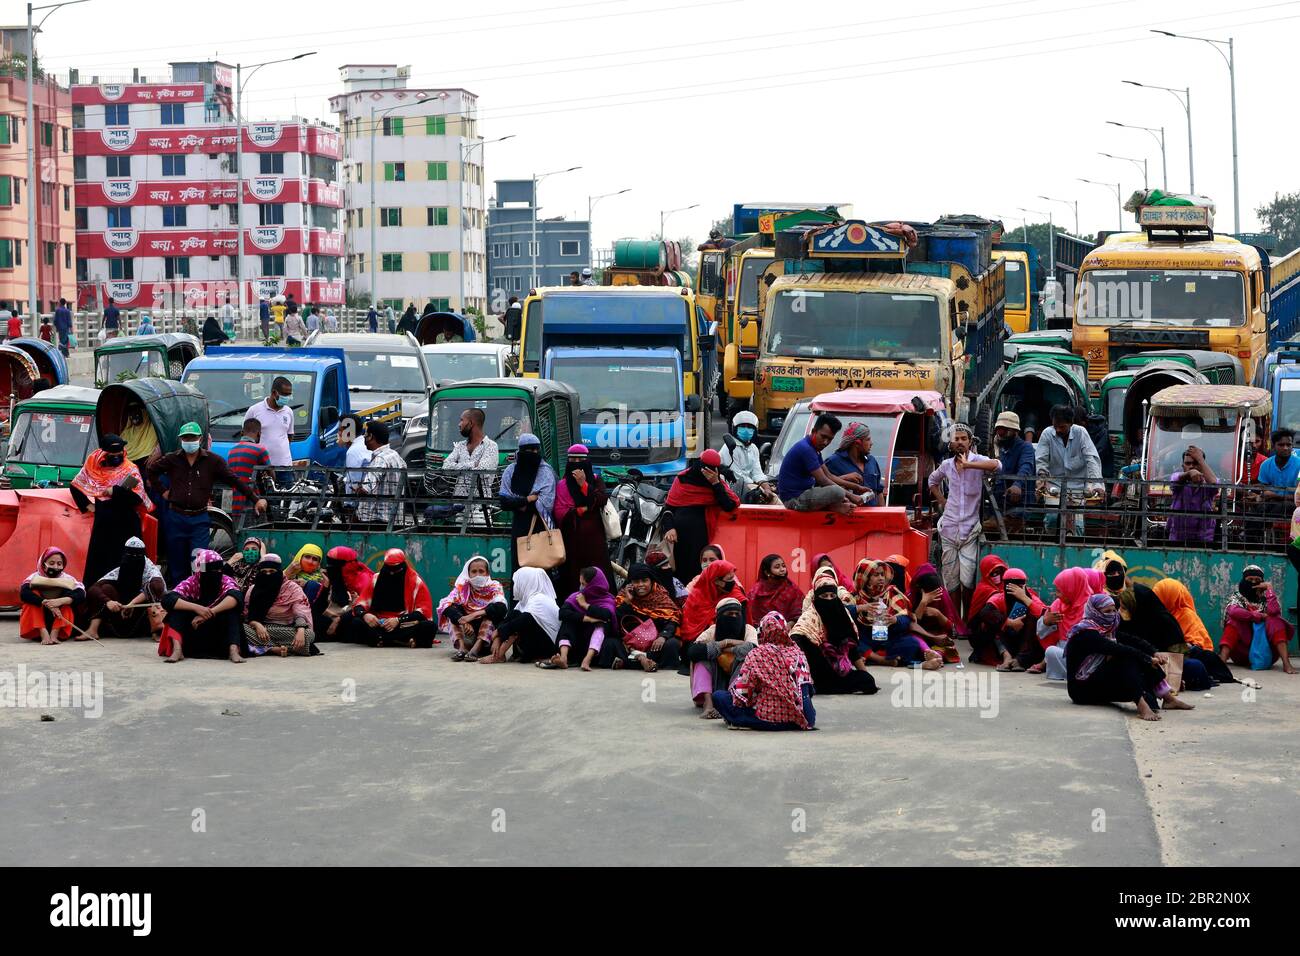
[[744, 418]]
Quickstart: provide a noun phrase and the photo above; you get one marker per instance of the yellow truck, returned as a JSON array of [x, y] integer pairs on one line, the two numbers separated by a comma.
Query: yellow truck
[[1177, 284], [850, 305]]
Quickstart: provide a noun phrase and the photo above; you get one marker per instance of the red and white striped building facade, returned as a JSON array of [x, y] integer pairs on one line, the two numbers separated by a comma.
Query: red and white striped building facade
[[156, 187]]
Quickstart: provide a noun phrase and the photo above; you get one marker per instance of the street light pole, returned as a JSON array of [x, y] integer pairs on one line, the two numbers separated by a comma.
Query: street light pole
[[1140, 164], [1184, 98], [1164, 160], [1051, 238], [33, 194], [1073, 203], [591, 203], [1119, 208], [665, 213], [466, 152], [534, 279]]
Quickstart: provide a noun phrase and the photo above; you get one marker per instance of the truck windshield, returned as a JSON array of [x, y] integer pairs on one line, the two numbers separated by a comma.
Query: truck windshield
[[384, 371], [116, 366], [1170, 436], [1177, 298], [606, 319], [52, 438], [619, 384], [505, 419], [1288, 403], [750, 270], [1017, 285], [232, 392], [459, 366], [853, 325]]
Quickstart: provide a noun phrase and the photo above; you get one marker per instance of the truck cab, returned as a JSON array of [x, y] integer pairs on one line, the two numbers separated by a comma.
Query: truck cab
[[631, 404], [1023, 311]]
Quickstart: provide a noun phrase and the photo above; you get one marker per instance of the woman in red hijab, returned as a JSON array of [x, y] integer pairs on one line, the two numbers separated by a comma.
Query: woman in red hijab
[[395, 608], [715, 582], [698, 495], [990, 583]]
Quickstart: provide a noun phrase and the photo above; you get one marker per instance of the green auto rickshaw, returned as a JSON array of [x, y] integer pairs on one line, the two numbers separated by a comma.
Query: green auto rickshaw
[[148, 413], [1036, 379], [53, 432], [145, 356]]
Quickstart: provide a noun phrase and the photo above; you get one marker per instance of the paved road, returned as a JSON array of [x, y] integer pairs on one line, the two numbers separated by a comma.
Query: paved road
[[606, 768]]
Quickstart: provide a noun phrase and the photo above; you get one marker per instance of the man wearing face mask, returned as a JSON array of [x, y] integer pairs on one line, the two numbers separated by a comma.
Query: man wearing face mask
[[741, 455], [192, 473], [276, 418]]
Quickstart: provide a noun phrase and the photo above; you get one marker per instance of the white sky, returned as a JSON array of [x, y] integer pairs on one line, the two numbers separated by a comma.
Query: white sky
[[723, 101]]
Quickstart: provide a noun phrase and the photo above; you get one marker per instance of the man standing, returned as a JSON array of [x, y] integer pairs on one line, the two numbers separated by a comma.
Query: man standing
[[514, 319], [804, 484], [295, 330], [353, 434], [330, 323], [13, 324], [228, 319], [5, 316], [278, 310], [112, 319], [587, 277], [63, 325], [854, 460], [1066, 454], [381, 491], [959, 526], [1015, 457], [372, 320], [247, 455], [275, 420], [390, 316], [264, 317], [191, 475]]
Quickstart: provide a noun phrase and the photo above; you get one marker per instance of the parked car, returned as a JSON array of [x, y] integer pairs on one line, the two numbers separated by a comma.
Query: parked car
[[382, 368], [465, 360]]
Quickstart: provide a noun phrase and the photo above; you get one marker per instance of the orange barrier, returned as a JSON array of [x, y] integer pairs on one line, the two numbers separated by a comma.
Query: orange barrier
[[752, 532], [34, 519]]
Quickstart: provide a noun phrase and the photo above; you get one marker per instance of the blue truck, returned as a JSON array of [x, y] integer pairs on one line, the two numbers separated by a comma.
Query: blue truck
[[234, 379], [632, 406]]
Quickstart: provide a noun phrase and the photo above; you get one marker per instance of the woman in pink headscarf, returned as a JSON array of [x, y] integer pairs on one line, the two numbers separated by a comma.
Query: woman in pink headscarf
[[1073, 588], [579, 498]]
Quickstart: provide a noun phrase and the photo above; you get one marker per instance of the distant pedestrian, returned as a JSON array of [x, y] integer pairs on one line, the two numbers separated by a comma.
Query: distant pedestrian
[[514, 319], [330, 323], [587, 277], [313, 320], [228, 319], [63, 325], [264, 316], [112, 319], [14, 326], [372, 320], [47, 330], [391, 316], [5, 314]]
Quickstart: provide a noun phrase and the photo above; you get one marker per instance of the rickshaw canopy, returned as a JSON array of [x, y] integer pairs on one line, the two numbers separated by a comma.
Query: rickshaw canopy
[[1212, 401], [436, 322], [877, 401], [48, 358], [18, 371], [168, 404]]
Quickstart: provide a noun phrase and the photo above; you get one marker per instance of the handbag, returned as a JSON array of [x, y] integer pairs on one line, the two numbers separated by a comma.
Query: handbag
[[1261, 652], [609, 518], [640, 638], [543, 549]]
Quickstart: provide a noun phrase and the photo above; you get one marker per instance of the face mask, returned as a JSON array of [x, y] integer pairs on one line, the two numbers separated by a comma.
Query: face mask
[[1114, 582], [725, 586], [309, 564], [251, 555], [745, 433], [113, 460], [479, 580], [189, 447], [52, 572]]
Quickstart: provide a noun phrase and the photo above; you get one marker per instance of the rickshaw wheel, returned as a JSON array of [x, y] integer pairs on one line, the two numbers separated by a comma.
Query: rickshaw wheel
[[221, 537]]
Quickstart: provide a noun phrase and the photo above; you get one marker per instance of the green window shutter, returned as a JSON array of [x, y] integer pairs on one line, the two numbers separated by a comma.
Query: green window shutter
[[4, 129], [6, 254], [437, 171], [440, 215], [397, 126], [439, 261], [6, 195], [388, 172], [435, 125]]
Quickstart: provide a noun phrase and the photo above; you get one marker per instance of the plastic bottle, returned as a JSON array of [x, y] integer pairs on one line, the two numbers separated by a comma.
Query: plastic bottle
[[879, 629]]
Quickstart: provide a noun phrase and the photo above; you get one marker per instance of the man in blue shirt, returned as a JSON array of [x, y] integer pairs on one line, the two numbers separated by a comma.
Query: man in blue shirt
[[854, 460], [63, 324], [112, 318], [1015, 457], [1279, 474], [804, 484]]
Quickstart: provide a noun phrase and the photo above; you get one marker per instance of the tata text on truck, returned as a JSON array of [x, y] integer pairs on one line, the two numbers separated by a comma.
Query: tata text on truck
[[624, 317], [848, 305], [1178, 285]]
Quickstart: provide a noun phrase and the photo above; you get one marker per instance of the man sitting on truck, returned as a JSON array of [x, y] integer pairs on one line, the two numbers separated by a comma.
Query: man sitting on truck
[[1280, 473], [1065, 451], [1015, 457], [804, 484], [741, 455], [854, 460]]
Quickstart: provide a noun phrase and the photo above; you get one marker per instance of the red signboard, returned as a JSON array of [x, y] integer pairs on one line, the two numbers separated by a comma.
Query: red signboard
[[258, 189], [258, 138], [107, 93], [258, 240], [199, 293]]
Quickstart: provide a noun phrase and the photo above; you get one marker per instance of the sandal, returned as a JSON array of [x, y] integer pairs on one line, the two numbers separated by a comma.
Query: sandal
[[548, 666], [470, 658], [459, 656], [1038, 668]]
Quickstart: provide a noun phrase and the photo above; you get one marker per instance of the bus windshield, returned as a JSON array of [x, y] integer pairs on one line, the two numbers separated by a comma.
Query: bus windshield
[[1176, 298], [617, 384], [603, 318], [854, 325], [1288, 403], [52, 438]]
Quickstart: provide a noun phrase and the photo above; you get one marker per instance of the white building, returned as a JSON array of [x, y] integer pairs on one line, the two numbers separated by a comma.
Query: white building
[[414, 197]]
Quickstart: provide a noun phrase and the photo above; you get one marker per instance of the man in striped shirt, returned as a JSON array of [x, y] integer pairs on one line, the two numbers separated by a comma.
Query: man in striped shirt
[[247, 454]]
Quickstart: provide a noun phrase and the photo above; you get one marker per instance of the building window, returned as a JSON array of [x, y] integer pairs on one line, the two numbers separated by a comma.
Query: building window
[[120, 269], [437, 172], [67, 146], [67, 255], [390, 217], [437, 215], [271, 163], [118, 115], [270, 214], [392, 126], [519, 284], [79, 168], [498, 250], [18, 191], [83, 217], [394, 172], [116, 167], [273, 265], [5, 122], [83, 270], [516, 250], [173, 114], [119, 217], [67, 198], [392, 262], [359, 167], [6, 253], [47, 136], [173, 215], [176, 267], [361, 262], [570, 247], [78, 119], [47, 194], [6, 190], [534, 249], [441, 305], [361, 219], [435, 125], [173, 164], [439, 261]]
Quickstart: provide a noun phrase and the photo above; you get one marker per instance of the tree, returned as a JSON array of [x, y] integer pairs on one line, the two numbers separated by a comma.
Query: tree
[[724, 226], [1281, 217], [1038, 237]]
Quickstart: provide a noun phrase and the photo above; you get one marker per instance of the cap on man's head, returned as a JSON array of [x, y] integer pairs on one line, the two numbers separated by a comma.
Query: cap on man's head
[[112, 443], [190, 428], [1008, 420], [586, 273]]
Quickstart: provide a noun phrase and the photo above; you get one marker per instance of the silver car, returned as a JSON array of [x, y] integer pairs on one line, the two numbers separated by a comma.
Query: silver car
[[382, 368]]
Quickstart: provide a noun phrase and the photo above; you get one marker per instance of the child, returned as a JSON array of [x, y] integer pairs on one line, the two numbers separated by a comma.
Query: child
[[46, 330]]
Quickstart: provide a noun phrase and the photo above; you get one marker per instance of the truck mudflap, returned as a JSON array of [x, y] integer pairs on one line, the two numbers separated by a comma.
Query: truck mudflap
[[751, 532], [33, 519]]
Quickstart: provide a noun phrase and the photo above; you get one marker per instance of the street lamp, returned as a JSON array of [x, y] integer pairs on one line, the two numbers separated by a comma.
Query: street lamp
[[1051, 238], [1164, 160], [466, 152], [1184, 97], [239, 166], [33, 195], [1139, 163], [1119, 209], [1073, 203], [665, 213], [591, 203], [1230, 60], [535, 279]]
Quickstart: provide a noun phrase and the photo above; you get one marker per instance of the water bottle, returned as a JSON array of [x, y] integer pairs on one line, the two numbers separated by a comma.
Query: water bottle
[[879, 629]]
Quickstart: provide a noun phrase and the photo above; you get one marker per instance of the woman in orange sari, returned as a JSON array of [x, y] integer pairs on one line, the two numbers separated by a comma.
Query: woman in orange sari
[[48, 596]]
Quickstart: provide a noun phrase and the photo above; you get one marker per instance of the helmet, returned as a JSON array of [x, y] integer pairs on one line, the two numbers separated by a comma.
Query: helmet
[[744, 418]]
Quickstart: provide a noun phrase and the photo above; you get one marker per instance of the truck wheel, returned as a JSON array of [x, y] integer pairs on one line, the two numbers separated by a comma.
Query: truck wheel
[[984, 429], [221, 536]]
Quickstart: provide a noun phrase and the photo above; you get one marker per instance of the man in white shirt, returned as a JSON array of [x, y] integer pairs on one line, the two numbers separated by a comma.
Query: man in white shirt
[[277, 421], [476, 453], [353, 434], [385, 478], [741, 455]]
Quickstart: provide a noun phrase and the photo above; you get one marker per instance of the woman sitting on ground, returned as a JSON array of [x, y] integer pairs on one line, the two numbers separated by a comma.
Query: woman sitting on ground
[[48, 596], [661, 569], [204, 614], [396, 609], [307, 570], [1254, 603], [715, 653], [585, 618], [1073, 588], [1200, 647], [821, 561], [827, 635], [1005, 631], [715, 582], [990, 583], [243, 563], [876, 598], [473, 609], [529, 629], [119, 602], [773, 690], [277, 615], [345, 580], [934, 619], [774, 591], [1102, 667], [643, 601]]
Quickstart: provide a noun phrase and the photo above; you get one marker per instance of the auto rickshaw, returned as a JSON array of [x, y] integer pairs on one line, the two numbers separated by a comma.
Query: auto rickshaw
[[51, 364], [451, 326], [53, 432], [1153, 371], [1221, 420], [1037, 378], [18, 374], [145, 356], [148, 413]]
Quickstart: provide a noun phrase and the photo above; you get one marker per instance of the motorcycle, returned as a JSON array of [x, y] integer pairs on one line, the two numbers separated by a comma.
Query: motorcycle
[[640, 505]]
